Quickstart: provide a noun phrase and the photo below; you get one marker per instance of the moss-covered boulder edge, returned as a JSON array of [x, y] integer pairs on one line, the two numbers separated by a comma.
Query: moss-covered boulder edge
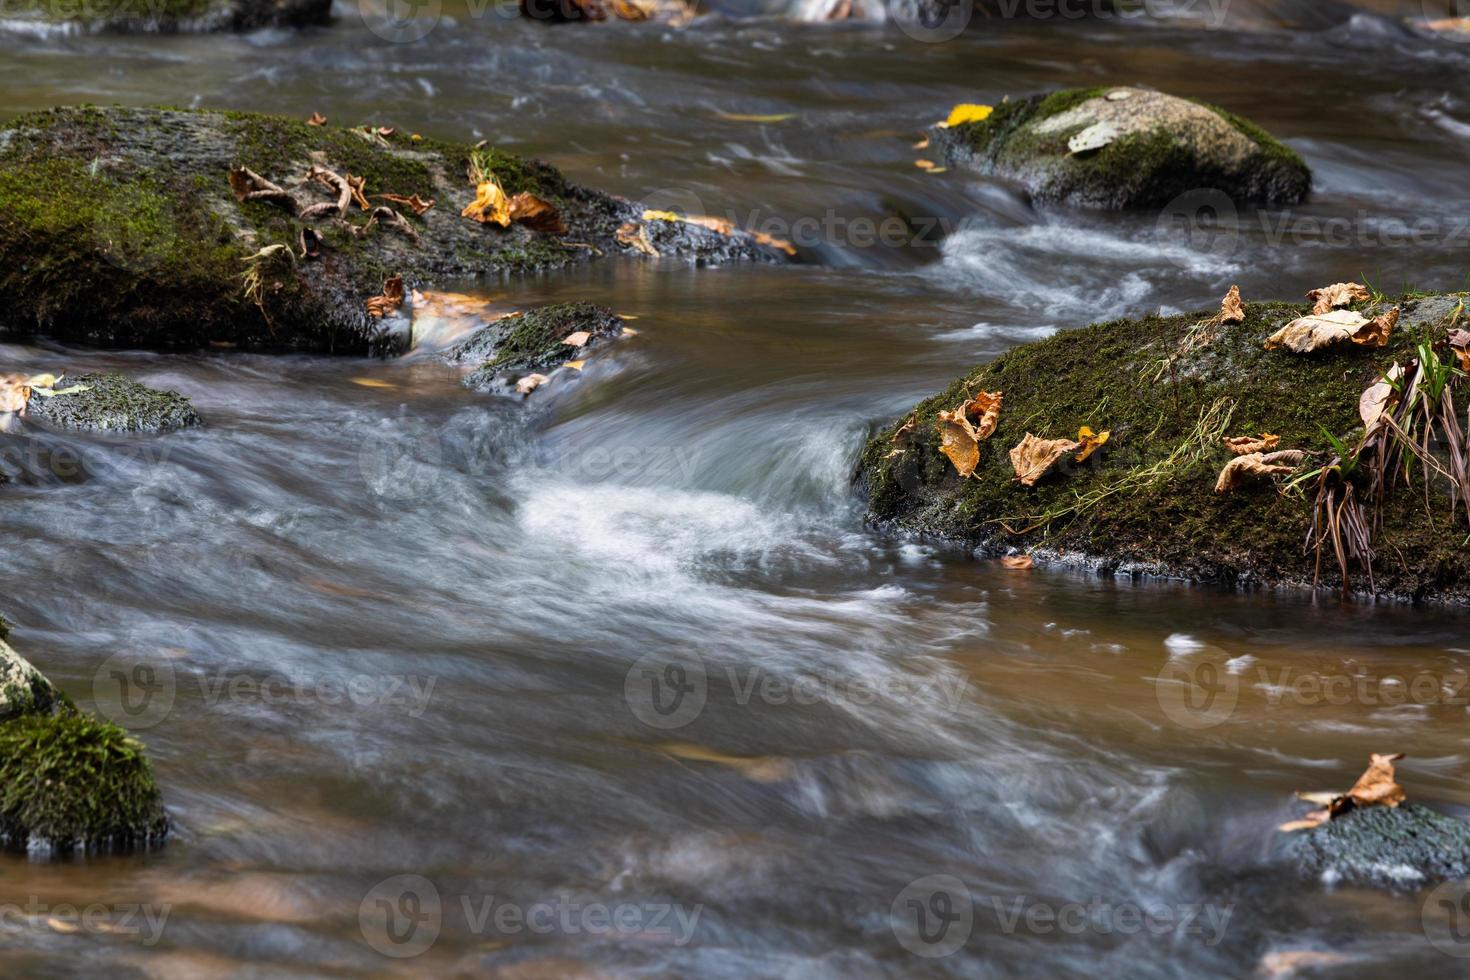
[[119, 227], [1164, 147], [162, 16], [68, 780], [1144, 504], [112, 403], [533, 343]]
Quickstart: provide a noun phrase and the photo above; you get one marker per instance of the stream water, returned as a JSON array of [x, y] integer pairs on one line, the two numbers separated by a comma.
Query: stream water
[[395, 647]]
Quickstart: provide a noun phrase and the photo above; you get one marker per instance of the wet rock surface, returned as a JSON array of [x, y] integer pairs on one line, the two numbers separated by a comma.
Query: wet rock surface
[[113, 403], [1405, 847]]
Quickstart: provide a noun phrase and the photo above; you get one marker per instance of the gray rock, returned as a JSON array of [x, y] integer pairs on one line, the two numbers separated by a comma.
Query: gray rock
[[1119, 148], [23, 689], [1406, 847], [532, 342], [113, 403]]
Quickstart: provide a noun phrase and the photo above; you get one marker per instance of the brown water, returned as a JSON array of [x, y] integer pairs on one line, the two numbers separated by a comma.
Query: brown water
[[397, 628]]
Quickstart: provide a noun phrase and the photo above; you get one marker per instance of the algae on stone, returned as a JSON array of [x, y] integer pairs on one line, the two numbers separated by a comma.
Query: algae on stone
[[1157, 148], [1148, 494]]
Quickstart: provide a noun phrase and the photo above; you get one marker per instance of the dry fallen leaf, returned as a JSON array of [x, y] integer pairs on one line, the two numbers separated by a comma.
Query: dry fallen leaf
[[1232, 310], [1090, 441], [923, 144], [248, 185], [317, 119], [1017, 561], [1337, 294], [1377, 397], [1257, 464], [529, 210], [578, 339], [1319, 330], [490, 205], [373, 383], [415, 204], [575, 365], [925, 164], [389, 300], [357, 185], [959, 439], [530, 383], [1032, 457], [1245, 445], [634, 235], [1460, 344], [1375, 787]]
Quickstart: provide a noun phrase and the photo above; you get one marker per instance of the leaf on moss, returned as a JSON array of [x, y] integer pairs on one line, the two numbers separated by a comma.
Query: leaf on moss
[[1338, 294], [578, 339], [1232, 310], [389, 300], [490, 205], [1032, 457], [1319, 330], [1377, 786], [634, 235], [967, 112], [1090, 441], [1378, 397], [414, 203], [248, 185], [317, 119], [1242, 468], [358, 185], [900, 437], [1245, 445], [1460, 344], [538, 215], [957, 442]]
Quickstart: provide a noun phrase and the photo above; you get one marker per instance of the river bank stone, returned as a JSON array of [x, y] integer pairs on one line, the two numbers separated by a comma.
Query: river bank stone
[[120, 227], [532, 343], [163, 16], [1122, 147], [1145, 502], [113, 403], [68, 781], [1404, 847]]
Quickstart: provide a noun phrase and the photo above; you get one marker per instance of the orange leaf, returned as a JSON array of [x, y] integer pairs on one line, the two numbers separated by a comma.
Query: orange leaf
[[490, 205], [317, 119], [1232, 310], [415, 204], [390, 299], [1244, 445], [1017, 561], [1031, 458], [529, 210]]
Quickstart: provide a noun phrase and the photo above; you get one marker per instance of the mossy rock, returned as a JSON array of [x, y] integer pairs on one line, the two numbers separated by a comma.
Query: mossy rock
[[112, 403], [533, 342], [1155, 148], [1145, 502], [164, 16], [119, 227], [23, 689], [1404, 847], [68, 781]]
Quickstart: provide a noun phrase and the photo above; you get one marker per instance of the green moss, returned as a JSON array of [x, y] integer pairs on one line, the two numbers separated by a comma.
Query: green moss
[[987, 134], [1269, 145], [534, 341], [82, 11], [114, 403], [75, 781], [1102, 376]]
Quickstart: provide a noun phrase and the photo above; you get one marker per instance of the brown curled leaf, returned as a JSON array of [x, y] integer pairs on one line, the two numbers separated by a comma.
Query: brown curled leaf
[[1245, 445], [414, 203], [1241, 468], [1232, 310], [389, 300], [251, 186], [1338, 294], [538, 215], [1032, 457]]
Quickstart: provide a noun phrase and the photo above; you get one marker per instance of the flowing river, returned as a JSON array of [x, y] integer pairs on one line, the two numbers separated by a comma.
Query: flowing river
[[394, 646]]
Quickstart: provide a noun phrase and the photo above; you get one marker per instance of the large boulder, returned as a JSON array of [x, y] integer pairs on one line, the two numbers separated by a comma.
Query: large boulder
[[1404, 847], [163, 16], [1145, 503], [68, 781], [112, 403], [124, 227], [1121, 147]]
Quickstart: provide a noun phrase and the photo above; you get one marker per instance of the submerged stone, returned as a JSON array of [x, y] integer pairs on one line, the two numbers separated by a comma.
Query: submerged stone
[[122, 227], [113, 403], [1404, 847], [1122, 147], [1144, 504]]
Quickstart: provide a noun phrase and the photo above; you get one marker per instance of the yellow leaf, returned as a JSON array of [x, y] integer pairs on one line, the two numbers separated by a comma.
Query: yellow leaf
[[627, 316], [923, 144], [629, 332], [762, 768], [1090, 440], [925, 164], [490, 205], [960, 440], [575, 365], [661, 216], [373, 383], [968, 112]]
